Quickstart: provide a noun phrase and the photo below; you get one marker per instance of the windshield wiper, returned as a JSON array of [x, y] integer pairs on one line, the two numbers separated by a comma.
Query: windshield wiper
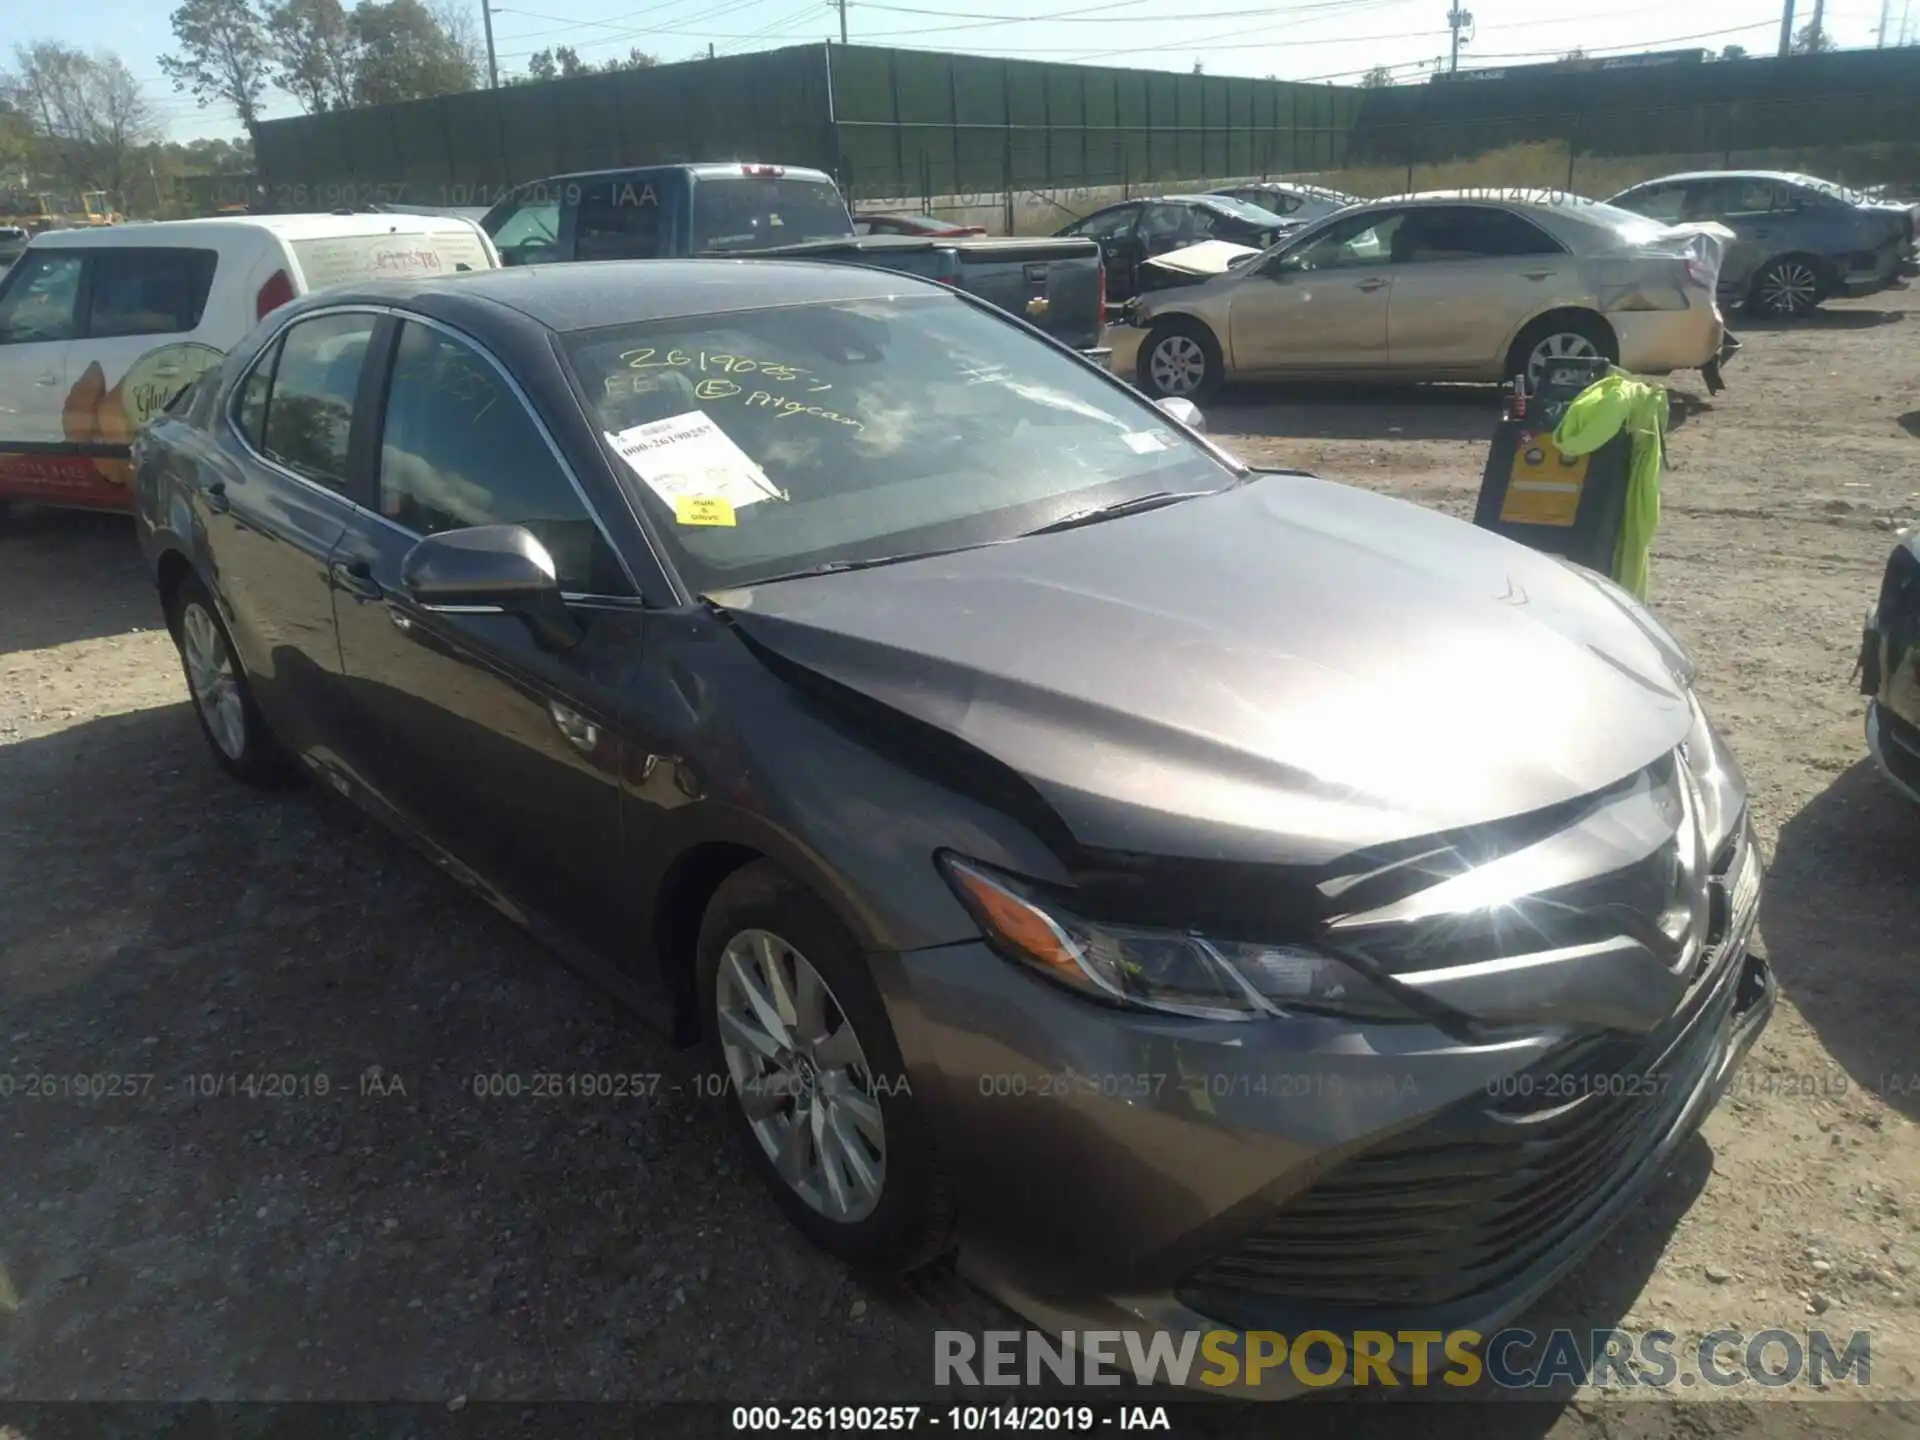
[[1151, 501]]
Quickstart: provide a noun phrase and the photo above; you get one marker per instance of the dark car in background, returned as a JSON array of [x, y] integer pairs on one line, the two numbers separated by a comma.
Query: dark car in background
[[1889, 669], [1015, 794], [1135, 231], [753, 211], [13, 244], [1797, 240], [1292, 199], [894, 222]]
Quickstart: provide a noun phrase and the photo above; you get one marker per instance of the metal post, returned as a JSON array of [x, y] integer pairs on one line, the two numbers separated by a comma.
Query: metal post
[[1786, 29], [1457, 20], [1880, 36], [1813, 30], [841, 5], [493, 63]]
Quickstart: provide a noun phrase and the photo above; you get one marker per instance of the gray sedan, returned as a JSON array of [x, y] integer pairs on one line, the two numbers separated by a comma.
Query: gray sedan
[[1203, 897], [1798, 240]]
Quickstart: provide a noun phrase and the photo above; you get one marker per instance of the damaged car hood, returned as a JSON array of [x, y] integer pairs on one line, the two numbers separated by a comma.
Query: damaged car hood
[[1289, 669], [1209, 257]]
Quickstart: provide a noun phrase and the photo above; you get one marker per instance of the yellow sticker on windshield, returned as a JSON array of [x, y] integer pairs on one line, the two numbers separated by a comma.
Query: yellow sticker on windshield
[[702, 510]]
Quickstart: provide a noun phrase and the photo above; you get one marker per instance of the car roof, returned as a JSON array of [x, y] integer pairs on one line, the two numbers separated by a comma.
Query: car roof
[[287, 227], [704, 170], [586, 295], [1788, 177], [1520, 198]]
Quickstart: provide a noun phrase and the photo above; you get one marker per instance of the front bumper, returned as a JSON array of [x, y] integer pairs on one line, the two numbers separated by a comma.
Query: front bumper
[[1118, 1171]]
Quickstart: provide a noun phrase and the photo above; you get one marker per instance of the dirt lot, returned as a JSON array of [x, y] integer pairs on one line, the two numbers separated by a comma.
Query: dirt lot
[[400, 1237]]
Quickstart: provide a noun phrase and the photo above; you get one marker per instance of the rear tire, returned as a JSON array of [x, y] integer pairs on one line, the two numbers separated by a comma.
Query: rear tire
[[1789, 287], [1569, 335], [1181, 359], [222, 699], [798, 1037]]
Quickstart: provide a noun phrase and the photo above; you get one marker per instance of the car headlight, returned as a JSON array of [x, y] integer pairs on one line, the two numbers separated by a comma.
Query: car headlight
[[1677, 657], [1165, 970]]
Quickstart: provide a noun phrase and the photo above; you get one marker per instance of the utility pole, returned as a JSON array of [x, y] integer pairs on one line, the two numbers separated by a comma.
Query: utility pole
[[493, 64], [1786, 30], [1880, 37], [1813, 30], [841, 5], [1458, 20]]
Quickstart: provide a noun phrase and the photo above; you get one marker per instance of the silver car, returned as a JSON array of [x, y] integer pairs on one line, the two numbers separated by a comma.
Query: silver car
[[1453, 285], [1797, 241]]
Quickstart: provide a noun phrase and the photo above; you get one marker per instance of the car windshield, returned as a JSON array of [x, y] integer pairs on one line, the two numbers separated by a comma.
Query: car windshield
[[762, 442], [751, 212]]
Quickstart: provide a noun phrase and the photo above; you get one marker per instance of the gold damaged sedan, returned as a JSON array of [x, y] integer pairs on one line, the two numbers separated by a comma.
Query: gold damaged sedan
[[1476, 286]]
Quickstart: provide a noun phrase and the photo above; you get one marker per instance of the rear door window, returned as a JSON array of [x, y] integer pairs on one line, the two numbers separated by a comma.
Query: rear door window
[[1656, 202], [41, 298], [621, 220], [149, 291], [1108, 227], [310, 402], [1469, 232]]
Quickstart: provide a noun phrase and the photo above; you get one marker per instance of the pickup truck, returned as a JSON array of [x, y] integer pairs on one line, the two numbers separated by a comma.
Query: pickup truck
[[1056, 284]]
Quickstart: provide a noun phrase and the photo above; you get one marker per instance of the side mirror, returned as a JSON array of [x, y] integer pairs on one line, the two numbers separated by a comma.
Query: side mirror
[[1185, 411], [492, 569]]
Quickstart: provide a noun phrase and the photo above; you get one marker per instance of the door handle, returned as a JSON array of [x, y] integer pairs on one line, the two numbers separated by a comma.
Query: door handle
[[356, 577], [1370, 285], [217, 501], [46, 377], [1538, 274]]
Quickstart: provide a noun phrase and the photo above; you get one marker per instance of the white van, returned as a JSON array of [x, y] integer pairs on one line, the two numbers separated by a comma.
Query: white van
[[100, 328]]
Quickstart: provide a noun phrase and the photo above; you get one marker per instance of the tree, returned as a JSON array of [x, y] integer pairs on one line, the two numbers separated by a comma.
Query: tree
[[563, 62], [119, 122], [223, 59], [313, 52], [1734, 52], [78, 120], [1811, 40], [1378, 78], [456, 18], [405, 54]]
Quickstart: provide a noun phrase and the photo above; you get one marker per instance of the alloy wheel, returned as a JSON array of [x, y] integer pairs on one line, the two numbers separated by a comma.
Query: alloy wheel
[[1178, 365], [211, 676], [1790, 288], [801, 1076], [1568, 345]]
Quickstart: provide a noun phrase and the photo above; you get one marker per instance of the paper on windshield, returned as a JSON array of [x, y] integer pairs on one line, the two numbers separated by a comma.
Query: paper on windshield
[[688, 458]]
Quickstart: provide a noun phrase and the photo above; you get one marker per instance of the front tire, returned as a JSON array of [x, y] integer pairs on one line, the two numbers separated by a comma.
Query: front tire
[[1181, 359], [1788, 288], [814, 1081], [223, 701]]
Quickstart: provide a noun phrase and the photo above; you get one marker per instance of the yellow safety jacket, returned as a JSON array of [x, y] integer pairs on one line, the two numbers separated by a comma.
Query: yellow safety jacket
[[1620, 401]]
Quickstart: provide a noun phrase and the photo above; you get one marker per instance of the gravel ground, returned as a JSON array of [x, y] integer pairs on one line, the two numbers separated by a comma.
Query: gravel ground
[[361, 1224]]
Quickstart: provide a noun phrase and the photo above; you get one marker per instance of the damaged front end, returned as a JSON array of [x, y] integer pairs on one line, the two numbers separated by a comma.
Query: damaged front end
[[1888, 669]]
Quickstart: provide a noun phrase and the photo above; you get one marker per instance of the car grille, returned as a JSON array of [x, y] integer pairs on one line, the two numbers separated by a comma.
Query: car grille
[[1468, 1202]]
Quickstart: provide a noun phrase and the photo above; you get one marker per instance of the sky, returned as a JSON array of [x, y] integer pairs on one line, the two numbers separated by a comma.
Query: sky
[[1335, 40]]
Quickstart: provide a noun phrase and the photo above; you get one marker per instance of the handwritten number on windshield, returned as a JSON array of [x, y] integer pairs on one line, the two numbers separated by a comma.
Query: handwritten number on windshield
[[651, 359]]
